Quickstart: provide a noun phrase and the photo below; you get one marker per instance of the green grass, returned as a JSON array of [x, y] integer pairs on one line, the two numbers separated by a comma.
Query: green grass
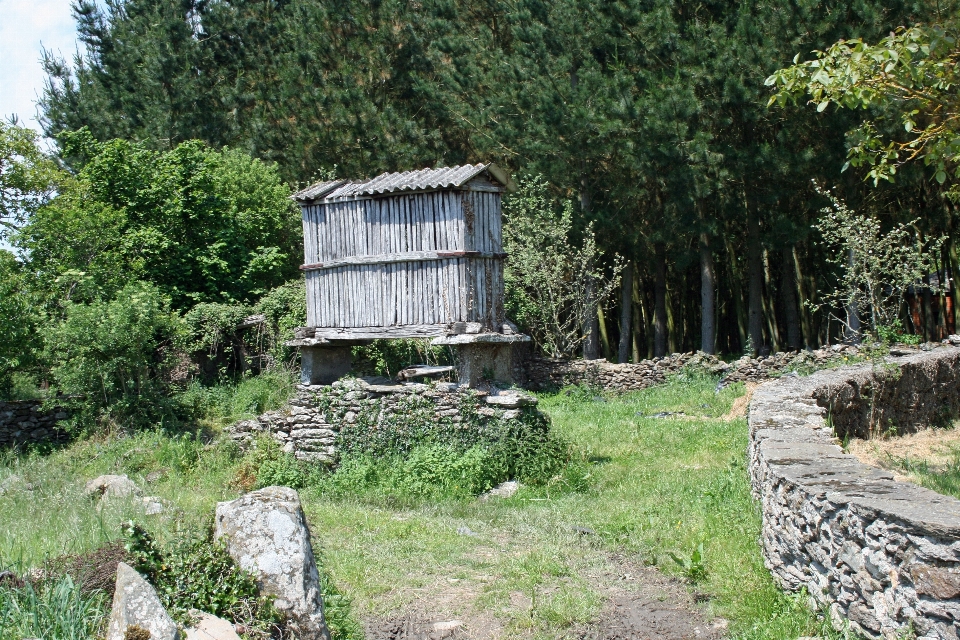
[[941, 478], [649, 489], [57, 610]]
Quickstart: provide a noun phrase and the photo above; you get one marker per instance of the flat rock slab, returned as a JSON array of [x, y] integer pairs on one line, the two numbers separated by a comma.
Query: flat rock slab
[[135, 604], [210, 627], [267, 535]]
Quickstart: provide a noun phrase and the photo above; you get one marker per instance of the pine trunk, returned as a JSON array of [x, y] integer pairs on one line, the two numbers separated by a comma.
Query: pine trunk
[[626, 313], [755, 288], [660, 302], [708, 297], [788, 293]]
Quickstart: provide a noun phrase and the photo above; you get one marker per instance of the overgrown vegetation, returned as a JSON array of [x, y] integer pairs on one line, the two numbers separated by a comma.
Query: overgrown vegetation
[[647, 488], [200, 574], [877, 269]]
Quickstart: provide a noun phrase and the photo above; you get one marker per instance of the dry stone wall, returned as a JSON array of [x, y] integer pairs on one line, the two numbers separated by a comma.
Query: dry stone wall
[[24, 422], [545, 373], [879, 553], [310, 423]]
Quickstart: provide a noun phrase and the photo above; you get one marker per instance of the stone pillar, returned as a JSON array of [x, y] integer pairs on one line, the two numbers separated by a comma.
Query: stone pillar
[[324, 365], [483, 358], [485, 362]]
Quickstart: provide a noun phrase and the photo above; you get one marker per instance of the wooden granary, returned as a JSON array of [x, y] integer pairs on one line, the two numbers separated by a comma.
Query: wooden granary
[[403, 255]]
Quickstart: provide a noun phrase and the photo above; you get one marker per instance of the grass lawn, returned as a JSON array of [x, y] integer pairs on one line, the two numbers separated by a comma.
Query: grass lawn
[[536, 565]]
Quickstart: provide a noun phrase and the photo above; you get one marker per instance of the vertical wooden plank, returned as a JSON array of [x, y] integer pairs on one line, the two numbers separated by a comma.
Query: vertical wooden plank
[[311, 302], [318, 216], [456, 221], [406, 293], [416, 227], [440, 241], [394, 311], [352, 318], [406, 223], [345, 296], [435, 287], [392, 225]]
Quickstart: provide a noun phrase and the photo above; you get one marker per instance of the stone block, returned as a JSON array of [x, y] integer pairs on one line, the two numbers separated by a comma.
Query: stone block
[[324, 365]]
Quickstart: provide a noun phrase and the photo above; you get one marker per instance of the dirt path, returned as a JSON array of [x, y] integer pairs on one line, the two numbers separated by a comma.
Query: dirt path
[[639, 604]]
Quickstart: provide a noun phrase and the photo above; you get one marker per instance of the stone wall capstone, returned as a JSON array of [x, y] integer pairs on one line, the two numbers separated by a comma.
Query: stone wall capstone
[[879, 553], [24, 422]]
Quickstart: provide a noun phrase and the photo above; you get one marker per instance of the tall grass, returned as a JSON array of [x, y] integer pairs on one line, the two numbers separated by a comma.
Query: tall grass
[[58, 610], [229, 401]]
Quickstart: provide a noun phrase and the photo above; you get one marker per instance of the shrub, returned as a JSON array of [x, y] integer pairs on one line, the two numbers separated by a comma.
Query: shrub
[[553, 281], [117, 356], [200, 574], [284, 309], [229, 401], [429, 472], [265, 465], [18, 318]]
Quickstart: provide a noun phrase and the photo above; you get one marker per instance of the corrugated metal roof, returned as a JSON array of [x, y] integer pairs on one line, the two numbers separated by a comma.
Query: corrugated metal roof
[[421, 180]]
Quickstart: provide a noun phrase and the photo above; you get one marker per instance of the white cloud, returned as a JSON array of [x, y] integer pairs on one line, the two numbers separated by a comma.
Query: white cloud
[[25, 27]]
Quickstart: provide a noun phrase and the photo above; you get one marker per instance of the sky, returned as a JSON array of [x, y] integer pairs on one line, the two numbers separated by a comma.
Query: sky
[[25, 27]]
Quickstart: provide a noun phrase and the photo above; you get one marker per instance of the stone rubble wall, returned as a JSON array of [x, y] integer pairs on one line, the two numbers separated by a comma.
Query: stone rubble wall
[[879, 553], [24, 422], [308, 426], [544, 373]]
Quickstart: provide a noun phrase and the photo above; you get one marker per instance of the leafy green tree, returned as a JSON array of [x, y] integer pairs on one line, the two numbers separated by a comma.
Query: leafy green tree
[[878, 266], [547, 277], [203, 225], [908, 79], [117, 357], [28, 176], [18, 321]]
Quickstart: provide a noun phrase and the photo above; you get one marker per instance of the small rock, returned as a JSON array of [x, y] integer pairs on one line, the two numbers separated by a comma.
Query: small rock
[[511, 400], [135, 604], [153, 476], [152, 506], [447, 627], [110, 486], [502, 490], [210, 627]]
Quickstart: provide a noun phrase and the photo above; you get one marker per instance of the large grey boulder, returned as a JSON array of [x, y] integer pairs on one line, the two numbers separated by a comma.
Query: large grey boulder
[[267, 535], [135, 604]]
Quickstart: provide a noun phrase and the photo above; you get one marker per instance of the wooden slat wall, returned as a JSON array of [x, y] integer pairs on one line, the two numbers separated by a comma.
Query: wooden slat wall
[[405, 293]]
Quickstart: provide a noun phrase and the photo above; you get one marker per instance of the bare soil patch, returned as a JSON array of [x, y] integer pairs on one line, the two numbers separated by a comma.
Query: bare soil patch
[[640, 604], [739, 407], [936, 447]]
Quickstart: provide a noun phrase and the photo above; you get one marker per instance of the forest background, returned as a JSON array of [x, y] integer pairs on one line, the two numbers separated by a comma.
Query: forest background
[[183, 125]]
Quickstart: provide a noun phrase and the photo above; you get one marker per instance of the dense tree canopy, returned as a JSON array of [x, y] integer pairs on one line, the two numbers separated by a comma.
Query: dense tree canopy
[[652, 116]]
